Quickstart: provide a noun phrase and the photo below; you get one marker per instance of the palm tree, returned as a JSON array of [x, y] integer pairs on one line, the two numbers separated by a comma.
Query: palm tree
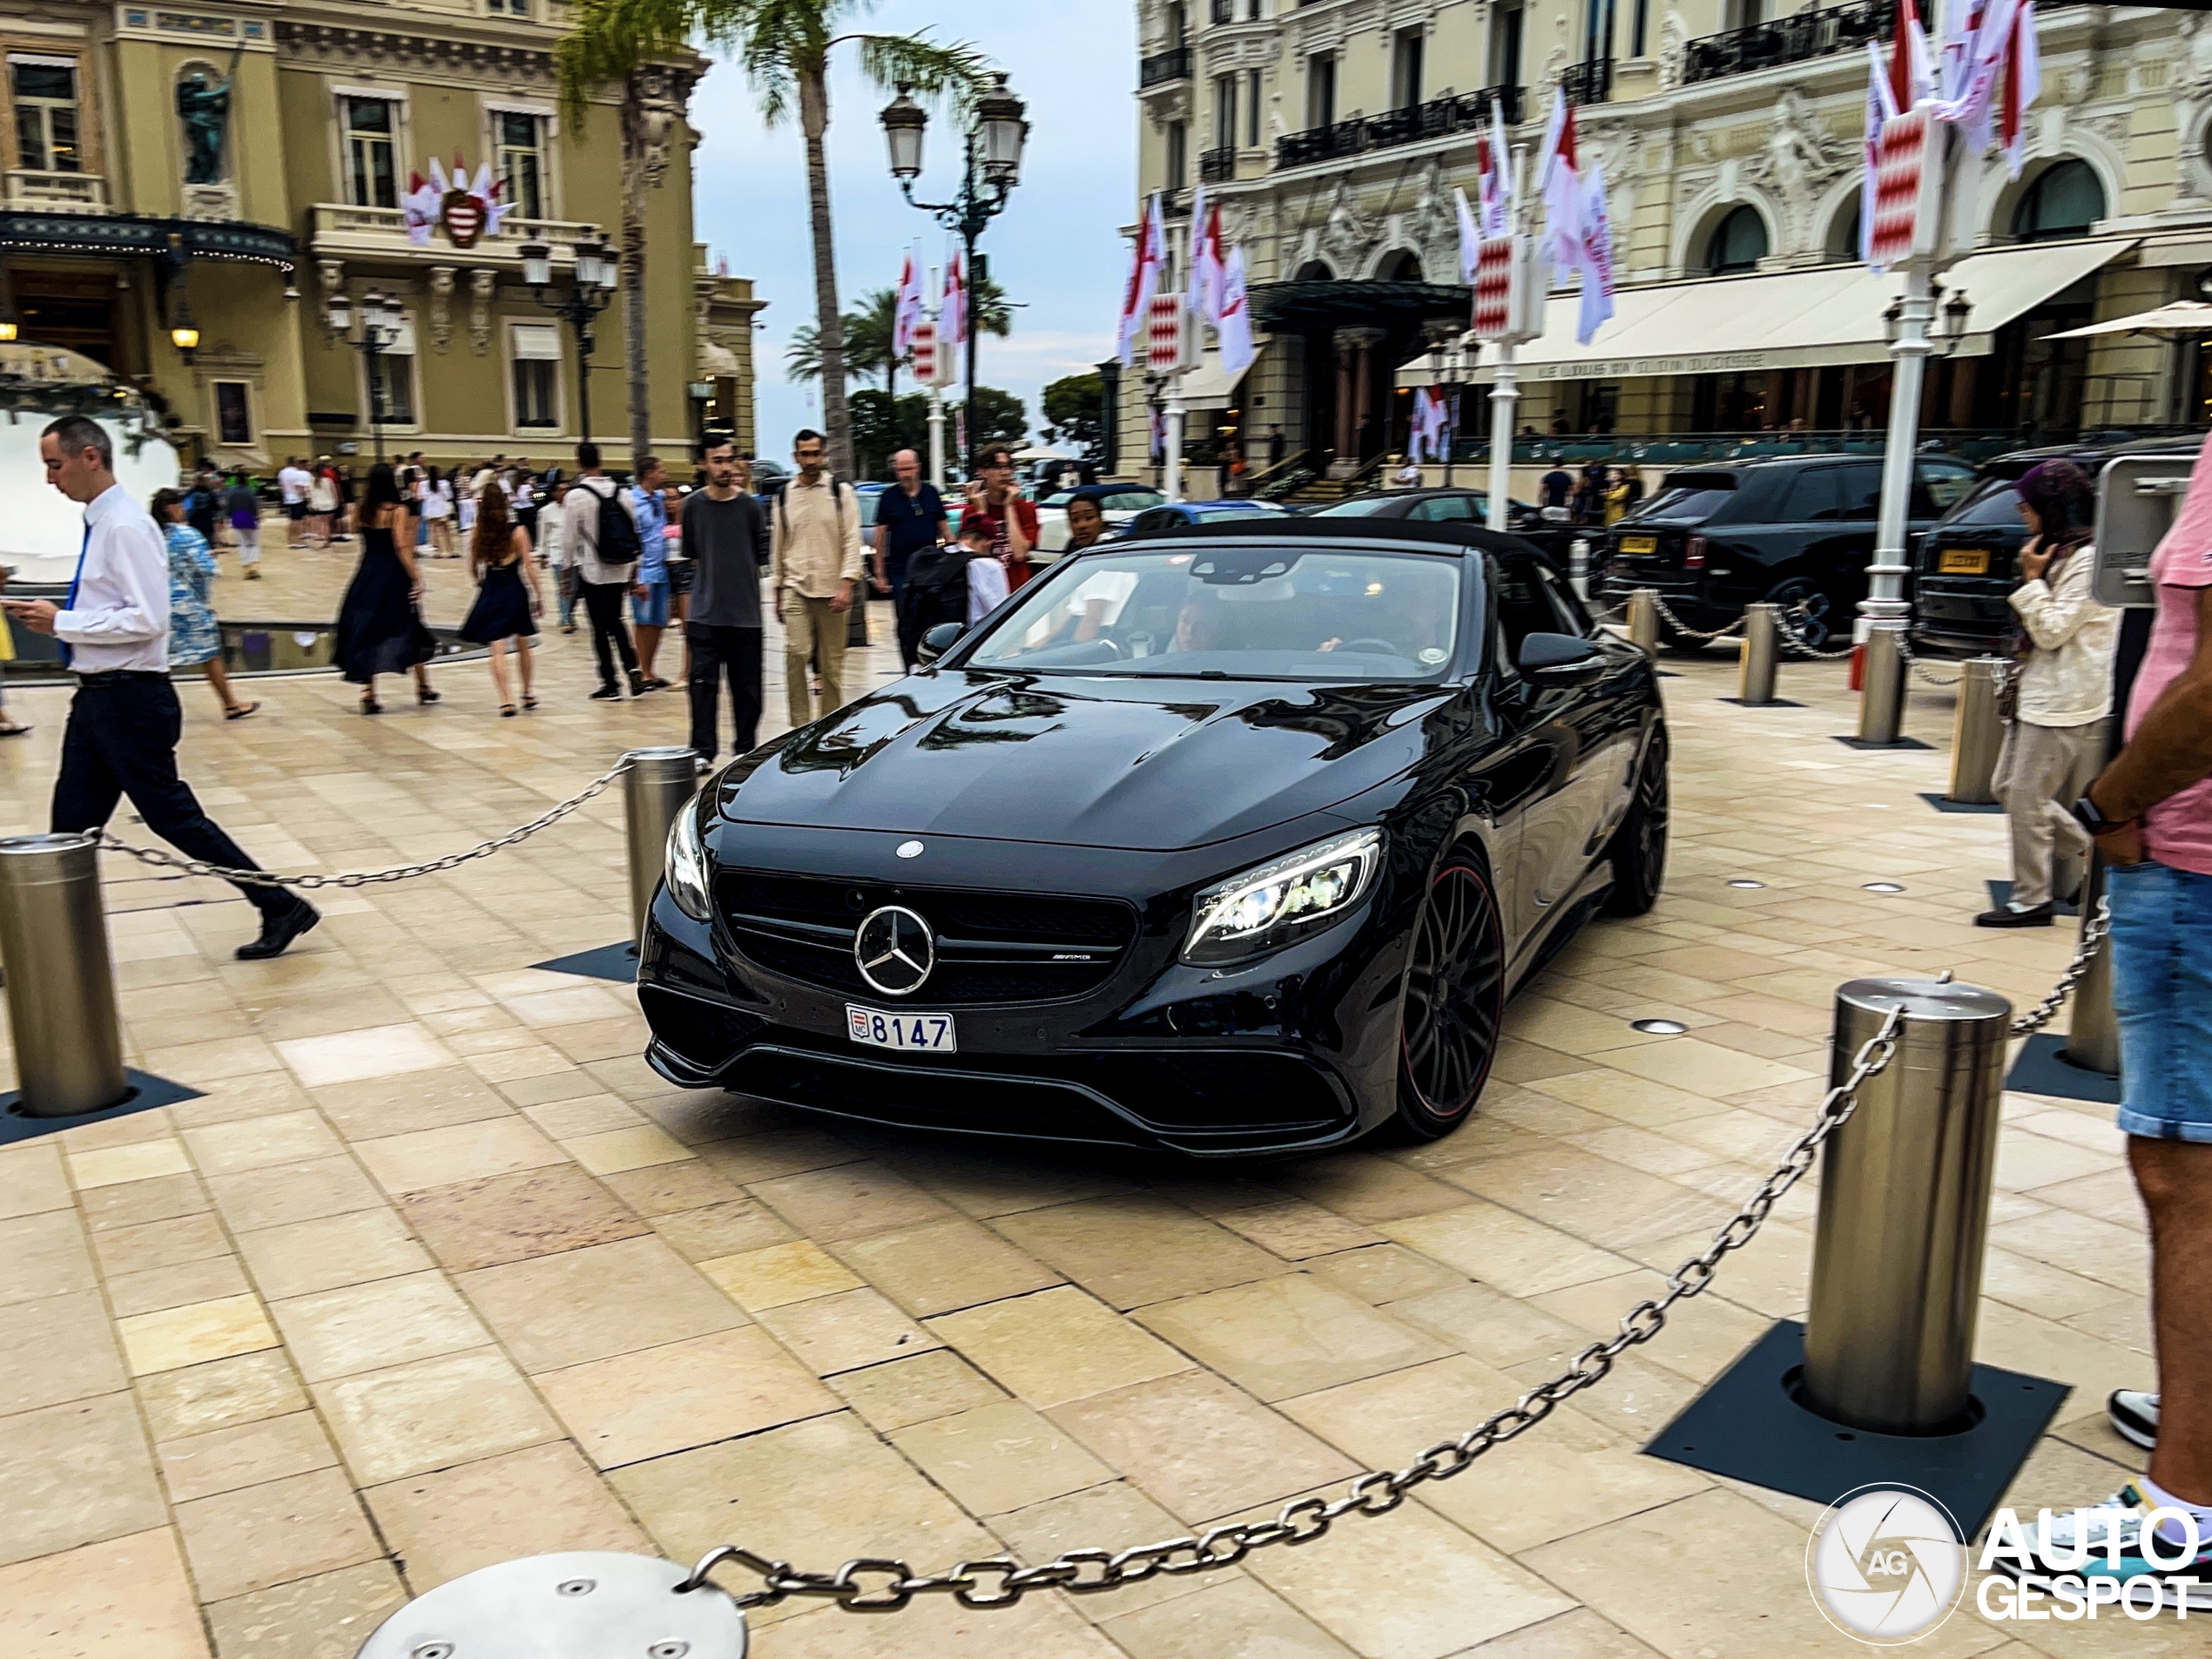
[[868, 342]]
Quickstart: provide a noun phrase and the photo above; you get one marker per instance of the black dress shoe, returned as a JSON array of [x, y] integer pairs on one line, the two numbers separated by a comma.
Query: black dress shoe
[[2005, 916], [279, 931]]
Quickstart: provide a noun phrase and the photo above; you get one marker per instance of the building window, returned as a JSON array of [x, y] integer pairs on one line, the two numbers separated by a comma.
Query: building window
[[522, 161], [1505, 46], [1224, 112], [1738, 243], [1640, 29], [537, 377], [1321, 89], [1178, 136], [391, 381], [1251, 108], [370, 130], [1406, 70], [44, 89], [1745, 14], [2064, 200], [1597, 31], [233, 418], [508, 8]]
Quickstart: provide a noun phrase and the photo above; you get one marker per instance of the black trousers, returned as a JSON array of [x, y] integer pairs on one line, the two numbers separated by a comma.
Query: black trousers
[[602, 603], [716, 652], [122, 740]]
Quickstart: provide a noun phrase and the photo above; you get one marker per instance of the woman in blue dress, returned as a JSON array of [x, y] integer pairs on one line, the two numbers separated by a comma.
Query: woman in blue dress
[[508, 603], [193, 637]]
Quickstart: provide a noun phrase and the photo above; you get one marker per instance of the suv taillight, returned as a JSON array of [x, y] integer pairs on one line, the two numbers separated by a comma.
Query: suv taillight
[[1693, 553]]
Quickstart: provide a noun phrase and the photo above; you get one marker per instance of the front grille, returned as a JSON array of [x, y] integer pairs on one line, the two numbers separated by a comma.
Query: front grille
[[991, 946]]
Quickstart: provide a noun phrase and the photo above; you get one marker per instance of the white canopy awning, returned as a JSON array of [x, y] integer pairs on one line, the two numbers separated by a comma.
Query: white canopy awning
[[1790, 319], [1210, 387]]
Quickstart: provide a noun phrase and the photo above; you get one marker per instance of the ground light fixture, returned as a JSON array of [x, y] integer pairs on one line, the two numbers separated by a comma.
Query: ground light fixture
[[1658, 1028], [1745, 883], [1881, 887]]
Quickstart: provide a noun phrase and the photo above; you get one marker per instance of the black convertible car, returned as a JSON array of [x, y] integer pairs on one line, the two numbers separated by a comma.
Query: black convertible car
[[1231, 839]]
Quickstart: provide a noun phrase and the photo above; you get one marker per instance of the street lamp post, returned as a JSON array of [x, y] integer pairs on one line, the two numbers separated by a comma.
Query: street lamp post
[[380, 323], [592, 289], [991, 168]]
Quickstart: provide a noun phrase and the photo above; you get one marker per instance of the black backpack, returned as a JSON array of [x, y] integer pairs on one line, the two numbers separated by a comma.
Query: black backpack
[[618, 542], [937, 586]]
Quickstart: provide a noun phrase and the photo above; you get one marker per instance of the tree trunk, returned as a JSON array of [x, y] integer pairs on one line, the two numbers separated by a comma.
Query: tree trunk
[[813, 120], [635, 347]]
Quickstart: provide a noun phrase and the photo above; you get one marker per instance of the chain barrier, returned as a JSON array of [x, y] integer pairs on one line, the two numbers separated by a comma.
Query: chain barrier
[[1913, 665], [2092, 939], [1684, 631], [165, 860], [878, 1584]]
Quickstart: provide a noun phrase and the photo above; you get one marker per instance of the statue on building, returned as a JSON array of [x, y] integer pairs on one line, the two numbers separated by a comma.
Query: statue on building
[[1344, 234], [1435, 227], [1797, 159], [205, 112], [1674, 50]]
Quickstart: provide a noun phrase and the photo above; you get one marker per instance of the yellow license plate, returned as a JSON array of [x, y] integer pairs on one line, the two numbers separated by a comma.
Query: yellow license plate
[[1633, 545], [1963, 561]]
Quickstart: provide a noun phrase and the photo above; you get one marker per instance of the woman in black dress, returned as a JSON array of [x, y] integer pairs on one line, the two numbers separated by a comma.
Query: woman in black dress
[[380, 630], [505, 608]]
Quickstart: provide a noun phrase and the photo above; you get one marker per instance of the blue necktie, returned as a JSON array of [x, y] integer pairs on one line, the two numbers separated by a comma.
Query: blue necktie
[[76, 578]]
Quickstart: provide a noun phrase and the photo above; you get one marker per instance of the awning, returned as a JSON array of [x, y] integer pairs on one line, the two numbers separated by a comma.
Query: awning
[[1305, 306], [1210, 387], [1789, 319]]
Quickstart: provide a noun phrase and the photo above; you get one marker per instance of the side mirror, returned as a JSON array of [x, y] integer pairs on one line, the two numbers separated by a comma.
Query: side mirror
[[1560, 659], [939, 640]]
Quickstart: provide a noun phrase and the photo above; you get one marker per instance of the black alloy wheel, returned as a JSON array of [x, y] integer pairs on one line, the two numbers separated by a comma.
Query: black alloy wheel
[[1639, 849], [1807, 611], [1455, 985]]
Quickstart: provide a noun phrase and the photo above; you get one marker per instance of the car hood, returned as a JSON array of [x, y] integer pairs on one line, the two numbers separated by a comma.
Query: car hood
[[1144, 765]]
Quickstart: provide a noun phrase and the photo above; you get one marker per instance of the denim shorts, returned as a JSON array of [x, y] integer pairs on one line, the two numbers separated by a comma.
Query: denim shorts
[[2161, 992], [651, 612]]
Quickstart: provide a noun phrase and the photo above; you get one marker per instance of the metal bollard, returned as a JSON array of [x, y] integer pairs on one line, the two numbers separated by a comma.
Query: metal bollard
[[1643, 620], [1904, 1190], [2093, 1032], [654, 789], [1578, 567], [1761, 650], [61, 991], [1977, 733], [1881, 704]]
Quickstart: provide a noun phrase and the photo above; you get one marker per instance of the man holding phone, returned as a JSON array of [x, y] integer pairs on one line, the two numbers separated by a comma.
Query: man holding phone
[[125, 720], [996, 501]]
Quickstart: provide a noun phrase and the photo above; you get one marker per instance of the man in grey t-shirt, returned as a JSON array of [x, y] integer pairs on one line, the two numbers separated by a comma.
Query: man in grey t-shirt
[[725, 536]]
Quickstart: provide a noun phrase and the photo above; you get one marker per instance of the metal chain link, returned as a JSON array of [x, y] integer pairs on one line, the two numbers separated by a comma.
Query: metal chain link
[[877, 1584], [167, 860], [2092, 939], [1913, 664], [1684, 632]]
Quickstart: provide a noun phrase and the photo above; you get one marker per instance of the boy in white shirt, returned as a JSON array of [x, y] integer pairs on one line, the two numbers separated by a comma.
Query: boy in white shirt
[[987, 587]]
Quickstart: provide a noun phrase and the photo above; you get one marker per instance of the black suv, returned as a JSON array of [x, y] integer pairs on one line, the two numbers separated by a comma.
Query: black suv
[[1792, 530], [1965, 567]]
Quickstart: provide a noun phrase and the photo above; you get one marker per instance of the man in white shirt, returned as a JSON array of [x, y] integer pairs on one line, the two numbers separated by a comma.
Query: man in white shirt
[[602, 575], [124, 719], [296, 483]]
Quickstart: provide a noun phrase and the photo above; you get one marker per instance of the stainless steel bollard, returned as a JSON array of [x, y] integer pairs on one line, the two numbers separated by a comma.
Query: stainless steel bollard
[[654, 789], [1578, 567], [1881, 702], [1643, 620], [1761, 650], [2093, 1032], [1904, 1190], [1977, 733], [61, 991]]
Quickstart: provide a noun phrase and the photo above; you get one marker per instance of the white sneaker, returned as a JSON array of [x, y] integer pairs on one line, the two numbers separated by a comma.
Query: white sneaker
[[2093, 1530], [2135, 1417]]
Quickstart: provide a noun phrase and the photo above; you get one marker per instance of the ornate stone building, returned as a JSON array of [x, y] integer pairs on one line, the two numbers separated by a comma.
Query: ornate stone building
[[230, 169], [1333, 132]]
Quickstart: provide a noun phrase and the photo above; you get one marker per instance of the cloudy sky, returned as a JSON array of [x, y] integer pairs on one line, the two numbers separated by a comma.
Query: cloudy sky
[[1056, 249]]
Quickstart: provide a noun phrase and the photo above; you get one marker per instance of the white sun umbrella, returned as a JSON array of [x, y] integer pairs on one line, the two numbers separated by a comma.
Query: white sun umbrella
[[2182, 317]]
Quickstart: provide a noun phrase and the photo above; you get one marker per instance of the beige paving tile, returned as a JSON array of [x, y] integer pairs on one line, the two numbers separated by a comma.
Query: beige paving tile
[[377, 1107], [670, 1189], [127, 1598], [280, 1530], [779, 1273], [578, 1305], [847, 1201], [452, 1409], [32, 1179], [685, 1394], [248, 1455], [1384, 1272], [304, 1257], [148, 1245], [207, 1280], [571, 1118], [1131, 1251], [200, 1399], [614, 1151], [1705, 1069], [109, 1166], [374, 1051], [47, 1255], [326, 1616], [76, 1474], [1366, 1188], [510, 1218], [905, 1391], [944, 1265], [537, 1501], [286, 1192], [1080, 1521], [845, 1332], [437, 1157], [1506, 1249], [1579, 1634], [999, 1457], [368, 1327], [1588, 1196], [255, 1143], [732, 1228], [195, 1333], [1237, 1619], [1057, 1346], [1289, 1336]]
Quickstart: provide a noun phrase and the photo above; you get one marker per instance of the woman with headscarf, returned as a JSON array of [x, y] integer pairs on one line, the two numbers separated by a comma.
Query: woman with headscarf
[[2062, 682]]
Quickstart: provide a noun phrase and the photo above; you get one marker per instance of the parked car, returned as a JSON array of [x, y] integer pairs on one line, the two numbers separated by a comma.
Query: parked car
[[1792, 530], [1173, 515], [1459, 505], [1967, 563], [1234, 842], [1122, 503]]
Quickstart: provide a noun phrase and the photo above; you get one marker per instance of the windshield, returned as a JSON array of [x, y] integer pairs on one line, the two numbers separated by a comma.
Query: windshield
[[1689, 495], [1363, 507], [1236, 613], [1995, 505]]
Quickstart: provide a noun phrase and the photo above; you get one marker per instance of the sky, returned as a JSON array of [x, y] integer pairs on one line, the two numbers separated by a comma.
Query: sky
[[1056, 250]]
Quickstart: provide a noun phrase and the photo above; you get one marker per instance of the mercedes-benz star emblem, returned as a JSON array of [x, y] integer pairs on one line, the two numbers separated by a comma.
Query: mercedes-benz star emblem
[[895, 950], [909, 849]]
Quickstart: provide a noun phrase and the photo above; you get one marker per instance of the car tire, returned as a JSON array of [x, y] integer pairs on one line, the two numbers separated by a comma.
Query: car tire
[[1817, 632], [1453, 1002], [1638, 852]]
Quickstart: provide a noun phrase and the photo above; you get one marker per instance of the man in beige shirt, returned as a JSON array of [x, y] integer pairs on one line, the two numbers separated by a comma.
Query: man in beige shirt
[[816, 562]]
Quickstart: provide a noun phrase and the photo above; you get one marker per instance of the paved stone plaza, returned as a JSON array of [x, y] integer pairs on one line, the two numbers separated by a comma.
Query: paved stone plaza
[[437, 1273]]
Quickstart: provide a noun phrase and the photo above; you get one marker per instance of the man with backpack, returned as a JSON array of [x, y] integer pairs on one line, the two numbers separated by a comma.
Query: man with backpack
[[600, 539], [816, 557]]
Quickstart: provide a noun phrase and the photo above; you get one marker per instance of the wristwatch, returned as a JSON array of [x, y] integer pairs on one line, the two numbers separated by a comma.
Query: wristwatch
[[2087, 814]]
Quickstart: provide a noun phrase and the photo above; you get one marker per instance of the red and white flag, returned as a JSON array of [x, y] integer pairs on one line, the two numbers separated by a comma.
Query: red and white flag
[[1493, 287], [1578, 227], [1594, 248], [1235, 322], [907, 309], [1900, 98], [1494, 172], [1208, 258], [2022, 86], [952, 316], [1143, 278]]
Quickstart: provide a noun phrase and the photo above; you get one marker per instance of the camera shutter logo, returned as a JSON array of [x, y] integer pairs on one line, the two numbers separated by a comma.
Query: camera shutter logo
[[894, 950], [1887, 1564]]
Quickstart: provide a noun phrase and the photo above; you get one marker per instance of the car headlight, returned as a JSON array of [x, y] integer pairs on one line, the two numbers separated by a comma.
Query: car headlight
[[1283, 900], [687, 870]]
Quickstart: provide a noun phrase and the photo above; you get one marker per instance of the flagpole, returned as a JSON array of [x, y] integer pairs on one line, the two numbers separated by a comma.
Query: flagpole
[[936, 398], [1505, 394]]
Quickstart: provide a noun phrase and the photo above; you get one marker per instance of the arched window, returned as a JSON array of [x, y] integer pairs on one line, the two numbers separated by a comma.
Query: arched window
[[1842, 241], [1315, 271], [1738, 243], [1402, 267], [2063, 200]]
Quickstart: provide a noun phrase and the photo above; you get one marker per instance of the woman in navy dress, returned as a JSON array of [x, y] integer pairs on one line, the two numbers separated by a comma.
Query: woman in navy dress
[[380, 630], [508, 603]]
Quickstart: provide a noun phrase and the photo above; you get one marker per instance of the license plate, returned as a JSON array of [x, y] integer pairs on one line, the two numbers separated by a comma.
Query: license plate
[[930, 1033], [1639, 546], [1963, 561]]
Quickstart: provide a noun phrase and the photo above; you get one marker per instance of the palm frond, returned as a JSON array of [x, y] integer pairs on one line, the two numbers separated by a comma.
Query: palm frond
[[957, 71], [612, 39]]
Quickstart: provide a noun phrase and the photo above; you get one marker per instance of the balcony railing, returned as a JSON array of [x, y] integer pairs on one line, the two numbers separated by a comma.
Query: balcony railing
[[77, 190], [1590, 83], [1160, 68], [1218, 166], [1438, 118], [1819, 32], [342, 228]]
